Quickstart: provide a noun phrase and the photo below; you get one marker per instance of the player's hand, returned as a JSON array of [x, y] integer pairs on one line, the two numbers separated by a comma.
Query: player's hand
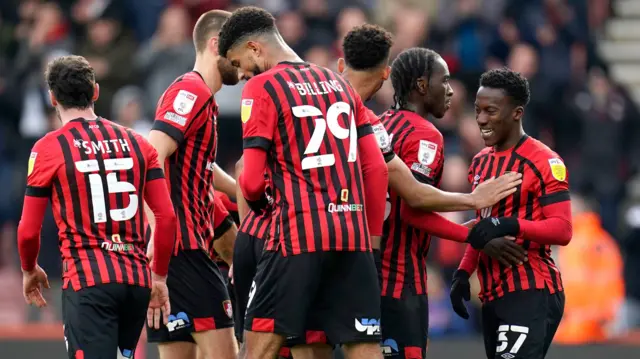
[[506, 251], [490, 192], [32, 284], [159, 305], [460, 290], [490, 228]]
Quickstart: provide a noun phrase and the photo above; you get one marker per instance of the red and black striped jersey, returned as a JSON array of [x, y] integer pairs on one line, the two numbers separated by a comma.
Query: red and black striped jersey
[[544, 182], [309, 119], [186, 112], [222, 222], [382, 136], [404, 248], [95, 172]]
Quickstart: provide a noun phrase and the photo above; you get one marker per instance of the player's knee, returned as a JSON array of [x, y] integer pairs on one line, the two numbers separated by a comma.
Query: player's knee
[[314, 351], [362, 351], [177, 350], [218, 344], [262, 345]]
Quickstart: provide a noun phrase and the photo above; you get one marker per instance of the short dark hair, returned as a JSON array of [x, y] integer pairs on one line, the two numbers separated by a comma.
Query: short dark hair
[[407, 68], [71, 79], [244, 22], [366, 47], [207, 25], [511, 82]]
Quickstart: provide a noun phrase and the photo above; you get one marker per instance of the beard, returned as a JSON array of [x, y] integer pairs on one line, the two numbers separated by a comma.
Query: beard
[[228, 72]]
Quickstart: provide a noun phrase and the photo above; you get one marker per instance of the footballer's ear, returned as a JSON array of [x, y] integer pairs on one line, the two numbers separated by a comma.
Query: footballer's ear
[[52, 99], [386, 73], [341, 65], [96, 92], [213, 45]]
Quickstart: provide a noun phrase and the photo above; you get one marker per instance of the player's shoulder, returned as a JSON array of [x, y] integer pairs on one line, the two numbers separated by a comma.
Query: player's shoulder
[[423, 127], [191, 85], [537, 152]]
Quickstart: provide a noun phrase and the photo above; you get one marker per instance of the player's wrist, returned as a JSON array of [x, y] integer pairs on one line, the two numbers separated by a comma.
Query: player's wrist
[[472, 201], [158, 278]]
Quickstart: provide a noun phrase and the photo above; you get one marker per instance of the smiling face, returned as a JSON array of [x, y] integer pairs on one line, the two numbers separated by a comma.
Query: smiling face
[[437, 91], [497, 117]]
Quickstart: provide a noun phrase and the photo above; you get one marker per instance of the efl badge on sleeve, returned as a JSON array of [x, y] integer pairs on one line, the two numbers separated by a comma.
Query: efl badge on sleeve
[[427, 152], [228, 308], [32, 162], [245, 110], [183, 104], [558, 170]]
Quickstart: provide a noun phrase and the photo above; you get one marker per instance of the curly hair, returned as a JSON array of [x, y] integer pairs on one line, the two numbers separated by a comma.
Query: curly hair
[[366, 47], [71, 79], [512, 83], [406, 69], [244, 22]]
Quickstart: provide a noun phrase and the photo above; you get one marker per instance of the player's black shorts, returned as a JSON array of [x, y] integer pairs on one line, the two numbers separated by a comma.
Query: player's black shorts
[[335, 293], [246, 255], [104, 319], [521, 325], [405, 326], [199, 298]]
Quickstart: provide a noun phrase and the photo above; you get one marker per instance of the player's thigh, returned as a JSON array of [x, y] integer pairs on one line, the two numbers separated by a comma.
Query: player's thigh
[[260, 345], [522, 325], [347, 308], [489, 329], [405, 326], [177, 350], [198, 296], [312, 351], [245, 264], [282, 293], [554, 317], [133, 315], [90, 318], [219, 343]]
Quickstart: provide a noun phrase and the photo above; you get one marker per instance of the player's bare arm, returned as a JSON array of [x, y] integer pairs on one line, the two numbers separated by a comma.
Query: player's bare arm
[[224, 244], [223, 182]]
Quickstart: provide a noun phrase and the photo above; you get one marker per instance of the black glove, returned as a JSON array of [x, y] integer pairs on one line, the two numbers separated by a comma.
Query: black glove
[[260, 205], [490, 228], [460, 289]]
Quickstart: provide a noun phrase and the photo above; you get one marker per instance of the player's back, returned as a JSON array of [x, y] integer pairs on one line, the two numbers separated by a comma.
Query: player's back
[[544, 182], [187, 112], [98, 171], [314, 164], [404, 248]]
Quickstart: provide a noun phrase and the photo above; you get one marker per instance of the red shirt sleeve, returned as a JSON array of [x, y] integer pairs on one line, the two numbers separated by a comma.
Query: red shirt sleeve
[[470, 260], [42, 168], [376, 180], [382, 137], [259, 116], [553, 194], [219, 212], [179, 109], [156, 194], [423, 152]]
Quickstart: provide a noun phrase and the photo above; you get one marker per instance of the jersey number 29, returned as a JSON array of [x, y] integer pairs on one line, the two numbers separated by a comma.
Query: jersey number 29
[[333, 113], [96, 188]]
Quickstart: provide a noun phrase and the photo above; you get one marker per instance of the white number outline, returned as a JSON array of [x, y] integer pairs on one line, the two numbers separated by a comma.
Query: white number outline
[[504, 341], [114, 185], [333, 112]]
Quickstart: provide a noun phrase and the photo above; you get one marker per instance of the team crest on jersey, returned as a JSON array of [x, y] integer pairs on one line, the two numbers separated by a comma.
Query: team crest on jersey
[[427, 152], [558, 169], [184, 101], [32, 162], [245, 109], [228, 308]]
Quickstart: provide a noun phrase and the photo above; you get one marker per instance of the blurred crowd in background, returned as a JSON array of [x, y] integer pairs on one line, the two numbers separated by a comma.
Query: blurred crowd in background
[[138, 47]]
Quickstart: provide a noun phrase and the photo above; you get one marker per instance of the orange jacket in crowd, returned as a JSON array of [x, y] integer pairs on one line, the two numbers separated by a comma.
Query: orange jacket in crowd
[[591, 269]]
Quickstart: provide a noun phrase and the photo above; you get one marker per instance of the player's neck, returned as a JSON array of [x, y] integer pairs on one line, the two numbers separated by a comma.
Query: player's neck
[[282, 53], [510, 142], [71, 114], [360, 82], [209, 73], [419, 110]]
